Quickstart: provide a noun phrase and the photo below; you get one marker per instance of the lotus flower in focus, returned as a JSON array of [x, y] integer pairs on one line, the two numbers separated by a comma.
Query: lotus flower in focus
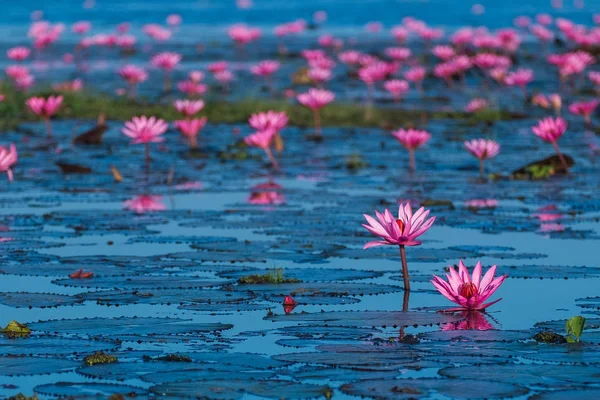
[[470, 292]]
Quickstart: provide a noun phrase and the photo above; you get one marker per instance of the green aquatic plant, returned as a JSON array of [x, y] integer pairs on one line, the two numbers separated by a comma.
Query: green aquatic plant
[[15, 329], [575, 327], [272, 276], [99, 357]]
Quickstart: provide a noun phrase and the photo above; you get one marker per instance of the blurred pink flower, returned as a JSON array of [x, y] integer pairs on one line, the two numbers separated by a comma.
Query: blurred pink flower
[[144, 203], [8, 158], [18, 53]]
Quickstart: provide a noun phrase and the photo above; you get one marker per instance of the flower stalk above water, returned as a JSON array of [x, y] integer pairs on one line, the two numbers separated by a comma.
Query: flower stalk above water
[[402, 231]]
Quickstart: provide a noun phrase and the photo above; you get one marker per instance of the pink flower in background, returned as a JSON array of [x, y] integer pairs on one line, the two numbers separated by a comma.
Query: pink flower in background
[[462, 37], [125, 42], [18, 53], [81, 27], [144, 203], [145, 129], [350, 57], [540, 100], [482, 149], [397, 88], [270, 120], [24, 83], [218, 66], [319, 17], [265, 68], [16, 72], [224, 76], [399, 33], [192, 88], [400, 54], [319, 75], [542, 33], [174, 19], [469, 292], [132, 74], [521, 78], [45, 108], [8, 158], [266, 194], [476, 105], [157, 32], [242, 34], [190, 129], [411, 139], [188, 108], [443, 52], [446, 71], [315, 99], [594, 77], [522, 21], [544, 19], [166, 60], [196, 76], [550, 130], [416, 75], [584, 109], [262, 140]]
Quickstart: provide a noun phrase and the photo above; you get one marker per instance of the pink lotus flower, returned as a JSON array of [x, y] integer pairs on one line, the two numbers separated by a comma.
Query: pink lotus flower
[[469, 292], [45, 108], [263, 139], [400, 33], [402, 231], [400, 54], [350, 57], [8, 158], [521, 78], [266, 194], [157, 32], [24, 83], [144, 203], [241, 34], [218, 66], [188, 108], [476, 105], [196, 76], [542, 33], [133, 76], [265, 68], [411, 139], [319, 75], [126, 42], [166, 61], [522, 21], [145, 130], [444, 53], [16, 72], [594, 77], [316, 99], [416, 75], [482, 149], [396, 87], [19, 53], [190, 128], [540, 100], [585, 109], [550, 130], [270, 120], [174, 19], [192, 88], [81, 27], [482, 203], [445, 71]]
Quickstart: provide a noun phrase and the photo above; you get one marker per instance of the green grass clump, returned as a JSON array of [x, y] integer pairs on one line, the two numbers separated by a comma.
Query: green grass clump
[[273, 276]]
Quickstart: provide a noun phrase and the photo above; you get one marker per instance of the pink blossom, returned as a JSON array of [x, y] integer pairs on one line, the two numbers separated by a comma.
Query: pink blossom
[[270, 120], [584, 108], [469, 292], [8, 158], [319, 75], [401, 231], [144, 203], [265, 68], [188, 108], [350, 57], [18, 53], [550, 129], [443, 52], [16, 71], [192, 88], [174, 19], [132, 74], [190, 127], [411, 138], [81, 27], [400, 33], [316, 98], [243, 34], [42, 107], [166, 60], [145, 130], [399, 54], [483, 148], [476, 105], [396, 87]]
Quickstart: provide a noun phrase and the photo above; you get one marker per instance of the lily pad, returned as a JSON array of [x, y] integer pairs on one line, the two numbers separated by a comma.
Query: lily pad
[[89, 390], [37, 300], [369, 318], [52, 346], [14, 366]]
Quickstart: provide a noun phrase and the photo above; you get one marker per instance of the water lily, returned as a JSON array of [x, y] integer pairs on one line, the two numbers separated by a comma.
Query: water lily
[[470, 292]]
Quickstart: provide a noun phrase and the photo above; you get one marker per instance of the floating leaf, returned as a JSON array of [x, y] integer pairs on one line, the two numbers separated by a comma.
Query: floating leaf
[[16, 329], [574, 327], [99, 357], [369, 318], [14, 366], [89, 390]]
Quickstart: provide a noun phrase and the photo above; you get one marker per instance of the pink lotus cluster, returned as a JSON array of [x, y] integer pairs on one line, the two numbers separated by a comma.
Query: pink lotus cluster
[[469, 292], [520, 78], [242, 34], [397, 88], [18, 53], [269, 125]]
